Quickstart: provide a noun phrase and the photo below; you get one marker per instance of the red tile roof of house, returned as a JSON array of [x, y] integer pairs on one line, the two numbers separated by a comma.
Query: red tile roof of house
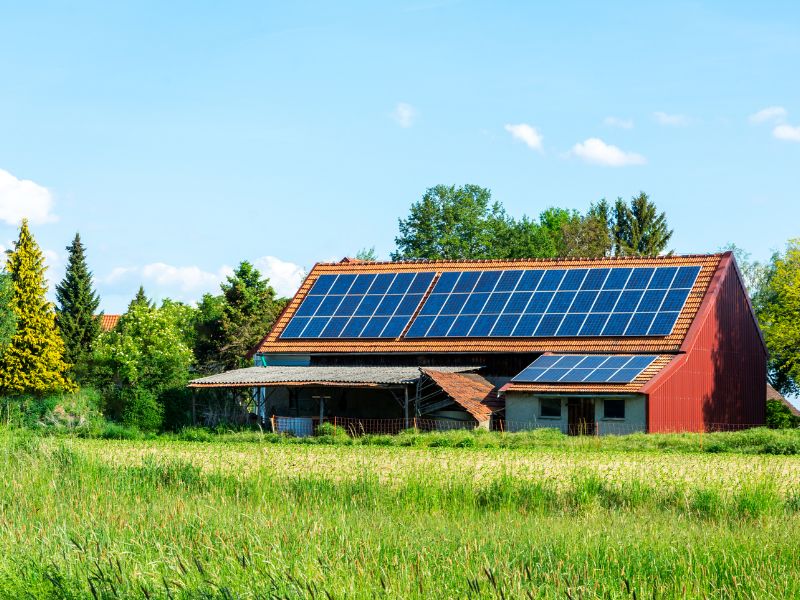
[[708, 264], [108, 322]]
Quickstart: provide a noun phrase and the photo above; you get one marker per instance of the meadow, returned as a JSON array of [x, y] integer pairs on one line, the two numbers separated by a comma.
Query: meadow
[[240, 516]]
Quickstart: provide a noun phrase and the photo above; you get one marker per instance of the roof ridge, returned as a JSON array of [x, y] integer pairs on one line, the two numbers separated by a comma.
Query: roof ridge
[[430, 261]]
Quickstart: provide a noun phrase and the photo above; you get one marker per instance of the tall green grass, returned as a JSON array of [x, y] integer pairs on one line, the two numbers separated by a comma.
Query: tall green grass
[[165, 519]]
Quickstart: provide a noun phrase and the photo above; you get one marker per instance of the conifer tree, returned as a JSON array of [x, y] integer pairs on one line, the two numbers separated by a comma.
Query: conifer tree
[[33, 362], [76, 312], [140, 299], [639, 229]]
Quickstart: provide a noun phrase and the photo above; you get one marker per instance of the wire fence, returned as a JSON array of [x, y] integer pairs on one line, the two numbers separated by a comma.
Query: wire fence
[[309, 426]]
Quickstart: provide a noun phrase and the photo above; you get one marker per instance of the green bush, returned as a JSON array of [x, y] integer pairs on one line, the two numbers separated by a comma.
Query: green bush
[[779, 416], [142, 410]]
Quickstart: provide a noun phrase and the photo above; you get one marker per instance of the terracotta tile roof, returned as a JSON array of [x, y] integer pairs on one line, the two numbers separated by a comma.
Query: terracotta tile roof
[[472, 392], [708, 264], [773, 394], [628, 388], [108, 322]]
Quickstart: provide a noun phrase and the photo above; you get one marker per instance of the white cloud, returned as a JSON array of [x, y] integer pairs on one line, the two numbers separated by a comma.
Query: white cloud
[[617, 122], [771, 113], [188, 283], [404, 114], [787, 132], [284, 276], [23, 198], [596, 151], [527, 134], [671, 120], [186, 279]]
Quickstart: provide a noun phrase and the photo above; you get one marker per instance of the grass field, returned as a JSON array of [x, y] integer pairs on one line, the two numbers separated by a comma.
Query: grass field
[[164, 518]]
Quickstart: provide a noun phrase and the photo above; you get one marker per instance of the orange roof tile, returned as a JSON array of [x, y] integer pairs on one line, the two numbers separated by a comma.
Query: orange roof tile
[[629, 388], [108, 322], [472, 392], [708, 264]]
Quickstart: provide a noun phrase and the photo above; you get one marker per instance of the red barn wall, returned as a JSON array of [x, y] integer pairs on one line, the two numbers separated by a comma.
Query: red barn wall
[[721, 378]]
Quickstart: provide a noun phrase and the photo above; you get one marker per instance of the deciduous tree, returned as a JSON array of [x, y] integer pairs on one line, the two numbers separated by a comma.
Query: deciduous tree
[[451, 223], [779, 314]]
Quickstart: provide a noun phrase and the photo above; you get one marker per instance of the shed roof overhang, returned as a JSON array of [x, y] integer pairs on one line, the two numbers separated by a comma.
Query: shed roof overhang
[[312, 376]]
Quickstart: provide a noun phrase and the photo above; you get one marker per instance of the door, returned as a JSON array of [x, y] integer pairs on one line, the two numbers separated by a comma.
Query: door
[[580, 416]]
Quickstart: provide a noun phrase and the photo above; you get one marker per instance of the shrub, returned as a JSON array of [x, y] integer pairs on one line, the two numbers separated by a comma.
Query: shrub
[[142, 409]]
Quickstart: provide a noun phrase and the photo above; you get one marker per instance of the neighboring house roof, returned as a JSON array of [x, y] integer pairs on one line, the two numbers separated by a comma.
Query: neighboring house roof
[[773, 394], [708, 264], [345, 376], [472, 392], [108, 322], [612, 388]]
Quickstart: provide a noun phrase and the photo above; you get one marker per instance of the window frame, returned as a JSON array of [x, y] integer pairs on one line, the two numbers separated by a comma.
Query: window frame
[[614, 418], [551, 400]]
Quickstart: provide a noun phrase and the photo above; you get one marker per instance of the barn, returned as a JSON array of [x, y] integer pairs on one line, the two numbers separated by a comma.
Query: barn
[[607, 345]]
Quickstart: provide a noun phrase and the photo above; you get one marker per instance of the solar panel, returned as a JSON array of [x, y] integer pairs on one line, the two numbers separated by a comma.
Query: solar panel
[[366, 305], [574, 368], [579, 302], [596, 302]]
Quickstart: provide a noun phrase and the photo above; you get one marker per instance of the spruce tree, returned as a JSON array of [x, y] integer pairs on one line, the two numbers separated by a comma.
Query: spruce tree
[[33, 362], [140, 299], [76, 311], [639, 229]]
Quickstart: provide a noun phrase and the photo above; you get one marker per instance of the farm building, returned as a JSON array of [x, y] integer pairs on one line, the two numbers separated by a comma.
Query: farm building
[[666, 343]]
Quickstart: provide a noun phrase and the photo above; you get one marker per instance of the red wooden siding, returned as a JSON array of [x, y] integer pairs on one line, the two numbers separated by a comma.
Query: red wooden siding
[[720, 378]]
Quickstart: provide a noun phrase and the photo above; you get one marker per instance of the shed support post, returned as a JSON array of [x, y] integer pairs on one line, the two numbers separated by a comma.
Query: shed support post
[[405, 405], [194, 407], [321, 409]]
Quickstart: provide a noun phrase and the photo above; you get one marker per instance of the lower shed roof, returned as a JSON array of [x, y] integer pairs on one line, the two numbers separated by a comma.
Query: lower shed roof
[[343, 376]]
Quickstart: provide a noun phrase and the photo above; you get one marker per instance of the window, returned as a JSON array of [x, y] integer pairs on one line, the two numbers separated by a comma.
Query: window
[[550, 408], [613, 409]]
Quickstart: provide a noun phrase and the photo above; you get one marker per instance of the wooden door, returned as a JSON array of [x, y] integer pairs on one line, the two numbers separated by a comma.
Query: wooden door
[[580, 416]]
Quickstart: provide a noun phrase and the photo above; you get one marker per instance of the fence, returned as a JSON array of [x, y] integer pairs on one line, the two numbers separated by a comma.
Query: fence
[[307, 426]]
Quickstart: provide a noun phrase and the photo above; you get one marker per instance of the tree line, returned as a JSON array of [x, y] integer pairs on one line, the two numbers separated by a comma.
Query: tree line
[[140, 368]]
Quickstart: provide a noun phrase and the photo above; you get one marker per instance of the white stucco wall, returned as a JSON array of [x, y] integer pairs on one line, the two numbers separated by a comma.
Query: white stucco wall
[[523, 412]]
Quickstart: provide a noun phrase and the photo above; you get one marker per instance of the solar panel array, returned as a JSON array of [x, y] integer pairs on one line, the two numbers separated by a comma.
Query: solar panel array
[[641, 301], [594, 368], [359, 306], [581, 302]]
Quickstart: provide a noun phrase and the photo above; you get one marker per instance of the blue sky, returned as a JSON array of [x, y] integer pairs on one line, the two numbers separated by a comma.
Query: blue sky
[[180, 138]]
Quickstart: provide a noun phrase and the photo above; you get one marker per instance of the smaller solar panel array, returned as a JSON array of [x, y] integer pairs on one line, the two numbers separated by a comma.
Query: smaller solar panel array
[[593, 368], [359, 306]]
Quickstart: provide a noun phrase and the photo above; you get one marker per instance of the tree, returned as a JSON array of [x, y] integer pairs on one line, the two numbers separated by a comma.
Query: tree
[[76, 311], [140, 299], [524, 238], [208, 338], [451, 223], [250, 308], [639, 229], [33, 362], [8, 321], [778, 309], [146, 352], [367, 254]]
